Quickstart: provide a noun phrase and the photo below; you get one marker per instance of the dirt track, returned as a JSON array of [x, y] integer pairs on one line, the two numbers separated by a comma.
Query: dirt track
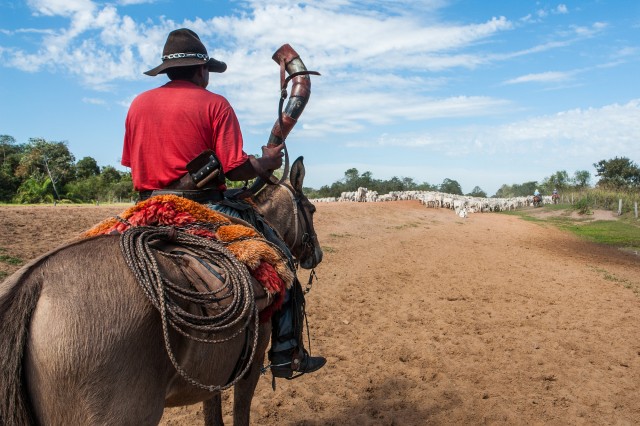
[[427, 318]]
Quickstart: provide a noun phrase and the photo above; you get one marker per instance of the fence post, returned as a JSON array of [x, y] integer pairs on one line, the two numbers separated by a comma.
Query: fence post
[[635, 208], [620, 207]]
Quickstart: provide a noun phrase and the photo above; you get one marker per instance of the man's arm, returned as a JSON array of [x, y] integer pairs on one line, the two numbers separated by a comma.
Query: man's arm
[[270, 160]]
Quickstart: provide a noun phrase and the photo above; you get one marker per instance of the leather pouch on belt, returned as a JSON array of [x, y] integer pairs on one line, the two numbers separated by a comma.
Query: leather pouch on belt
[[202, 172], [206, 170]]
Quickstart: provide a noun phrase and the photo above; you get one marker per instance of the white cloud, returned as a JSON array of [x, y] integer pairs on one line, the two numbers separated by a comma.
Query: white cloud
[[365, 56], [590, 133], [337, 35], [61, 7], [544, 77], [625, 52], [94, 101], [589, 31], [130, 2]]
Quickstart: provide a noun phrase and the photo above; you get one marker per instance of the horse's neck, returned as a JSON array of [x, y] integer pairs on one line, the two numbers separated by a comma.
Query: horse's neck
[[274, 205]]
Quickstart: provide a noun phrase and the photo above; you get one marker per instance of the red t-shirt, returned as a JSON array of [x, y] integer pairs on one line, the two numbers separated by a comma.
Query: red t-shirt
[[169, 126]]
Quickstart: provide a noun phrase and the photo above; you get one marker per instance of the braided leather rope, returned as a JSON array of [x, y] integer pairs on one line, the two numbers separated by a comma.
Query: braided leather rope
[[240, 315]]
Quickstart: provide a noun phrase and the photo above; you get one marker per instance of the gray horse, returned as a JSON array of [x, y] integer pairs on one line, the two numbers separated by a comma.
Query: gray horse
[[80, 343]]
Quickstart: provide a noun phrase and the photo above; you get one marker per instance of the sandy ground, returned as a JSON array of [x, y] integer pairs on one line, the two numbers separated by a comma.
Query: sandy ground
[[427, 318]]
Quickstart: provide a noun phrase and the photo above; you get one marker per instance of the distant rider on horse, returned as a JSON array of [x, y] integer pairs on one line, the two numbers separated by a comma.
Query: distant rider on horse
[[537, 198]]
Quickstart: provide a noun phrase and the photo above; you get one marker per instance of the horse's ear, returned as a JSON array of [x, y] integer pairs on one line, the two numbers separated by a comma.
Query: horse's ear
[[297, 174]]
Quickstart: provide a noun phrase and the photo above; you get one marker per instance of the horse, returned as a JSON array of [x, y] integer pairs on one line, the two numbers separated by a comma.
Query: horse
[[537, 200], [80, 342], [555, 197]]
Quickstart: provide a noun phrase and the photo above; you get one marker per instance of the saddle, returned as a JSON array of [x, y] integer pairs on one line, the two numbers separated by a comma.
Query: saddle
[[207, 277], [267, 265]]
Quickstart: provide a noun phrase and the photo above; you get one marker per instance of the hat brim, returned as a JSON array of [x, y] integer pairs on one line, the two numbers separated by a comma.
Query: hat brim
[[213, 64]]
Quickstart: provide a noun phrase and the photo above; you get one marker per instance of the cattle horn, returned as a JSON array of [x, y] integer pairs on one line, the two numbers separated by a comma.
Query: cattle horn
[[289, 62]]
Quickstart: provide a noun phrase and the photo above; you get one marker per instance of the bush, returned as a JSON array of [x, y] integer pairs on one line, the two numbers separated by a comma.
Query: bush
[[583, 205]]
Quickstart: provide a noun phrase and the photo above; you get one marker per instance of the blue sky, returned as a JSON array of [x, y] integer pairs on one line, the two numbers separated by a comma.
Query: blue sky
[[483, 92]]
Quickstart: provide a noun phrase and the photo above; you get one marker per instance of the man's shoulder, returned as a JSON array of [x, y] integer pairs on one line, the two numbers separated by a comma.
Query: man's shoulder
[[182, 95]]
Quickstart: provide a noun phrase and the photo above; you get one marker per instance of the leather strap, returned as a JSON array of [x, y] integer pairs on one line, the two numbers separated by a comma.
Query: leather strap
[[200, 196]]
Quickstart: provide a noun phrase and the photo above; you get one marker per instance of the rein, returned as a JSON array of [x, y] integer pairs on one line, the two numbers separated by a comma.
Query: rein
[[308, 237]]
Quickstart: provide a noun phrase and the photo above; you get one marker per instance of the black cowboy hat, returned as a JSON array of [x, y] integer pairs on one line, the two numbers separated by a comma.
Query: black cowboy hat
[[184, 48]]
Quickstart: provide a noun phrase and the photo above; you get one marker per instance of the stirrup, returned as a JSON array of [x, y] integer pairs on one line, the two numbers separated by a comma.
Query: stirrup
[[297, 366]]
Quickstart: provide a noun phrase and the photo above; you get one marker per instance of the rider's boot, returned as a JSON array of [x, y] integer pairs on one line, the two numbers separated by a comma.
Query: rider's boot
[[285, 364], [288, 355]]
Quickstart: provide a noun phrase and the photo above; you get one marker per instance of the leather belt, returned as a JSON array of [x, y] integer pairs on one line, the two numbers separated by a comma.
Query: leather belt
[[199, 195]]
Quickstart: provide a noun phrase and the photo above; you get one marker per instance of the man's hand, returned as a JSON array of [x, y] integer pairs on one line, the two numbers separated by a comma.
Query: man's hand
[[272, 157], [270, 160]]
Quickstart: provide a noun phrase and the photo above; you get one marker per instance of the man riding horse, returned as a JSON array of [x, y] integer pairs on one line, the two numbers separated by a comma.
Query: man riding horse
[[537, 198], [170, 130]]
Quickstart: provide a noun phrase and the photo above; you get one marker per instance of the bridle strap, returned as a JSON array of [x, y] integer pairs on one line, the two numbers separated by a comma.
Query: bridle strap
[[308, 236], [295, 209]]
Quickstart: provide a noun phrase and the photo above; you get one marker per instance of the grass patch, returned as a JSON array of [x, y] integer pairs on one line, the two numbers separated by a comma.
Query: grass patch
[[612, 232], [3, 275], [11, 260], [623, 232], [405, 226], [635, 287], [345, 235], [328, 249]]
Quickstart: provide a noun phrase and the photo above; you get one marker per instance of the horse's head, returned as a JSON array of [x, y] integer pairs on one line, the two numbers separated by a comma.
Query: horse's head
[[290, 212]]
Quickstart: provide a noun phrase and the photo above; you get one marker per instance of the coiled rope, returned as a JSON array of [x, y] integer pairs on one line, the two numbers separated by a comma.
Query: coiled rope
[[241, 314]]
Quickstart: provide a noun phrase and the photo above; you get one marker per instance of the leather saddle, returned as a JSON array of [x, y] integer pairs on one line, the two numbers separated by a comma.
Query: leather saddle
[[207, 277]]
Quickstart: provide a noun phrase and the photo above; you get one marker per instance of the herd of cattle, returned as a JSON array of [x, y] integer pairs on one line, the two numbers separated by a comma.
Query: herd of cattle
[[461, 204]]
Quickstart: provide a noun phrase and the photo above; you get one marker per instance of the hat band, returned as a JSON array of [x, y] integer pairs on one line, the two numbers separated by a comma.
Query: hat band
[[185, 55]]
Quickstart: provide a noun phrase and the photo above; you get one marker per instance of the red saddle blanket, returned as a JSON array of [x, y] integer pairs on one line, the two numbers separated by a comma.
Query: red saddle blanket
[[268, 265]]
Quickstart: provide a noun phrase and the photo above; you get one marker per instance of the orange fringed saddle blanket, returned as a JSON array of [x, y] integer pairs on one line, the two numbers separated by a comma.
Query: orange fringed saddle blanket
[[265, 263]]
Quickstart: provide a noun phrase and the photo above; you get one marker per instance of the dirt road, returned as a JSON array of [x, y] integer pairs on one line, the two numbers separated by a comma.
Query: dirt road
[[427, 318]]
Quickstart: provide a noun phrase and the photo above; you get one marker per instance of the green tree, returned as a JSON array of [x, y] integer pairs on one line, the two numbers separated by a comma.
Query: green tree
[[408, 184], [325, 191], [477, 192], [366, 180], [559, 180], [109, 175], [618, 173], [7, 143], [526, 188], [450, 186], [51, 159], [86, 167], [10, 154], [35, 190], [84, 190], [426, 186], [505, 191], [517, 190], [393, 184], [351, 178], [122, 190], [581, 179]]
